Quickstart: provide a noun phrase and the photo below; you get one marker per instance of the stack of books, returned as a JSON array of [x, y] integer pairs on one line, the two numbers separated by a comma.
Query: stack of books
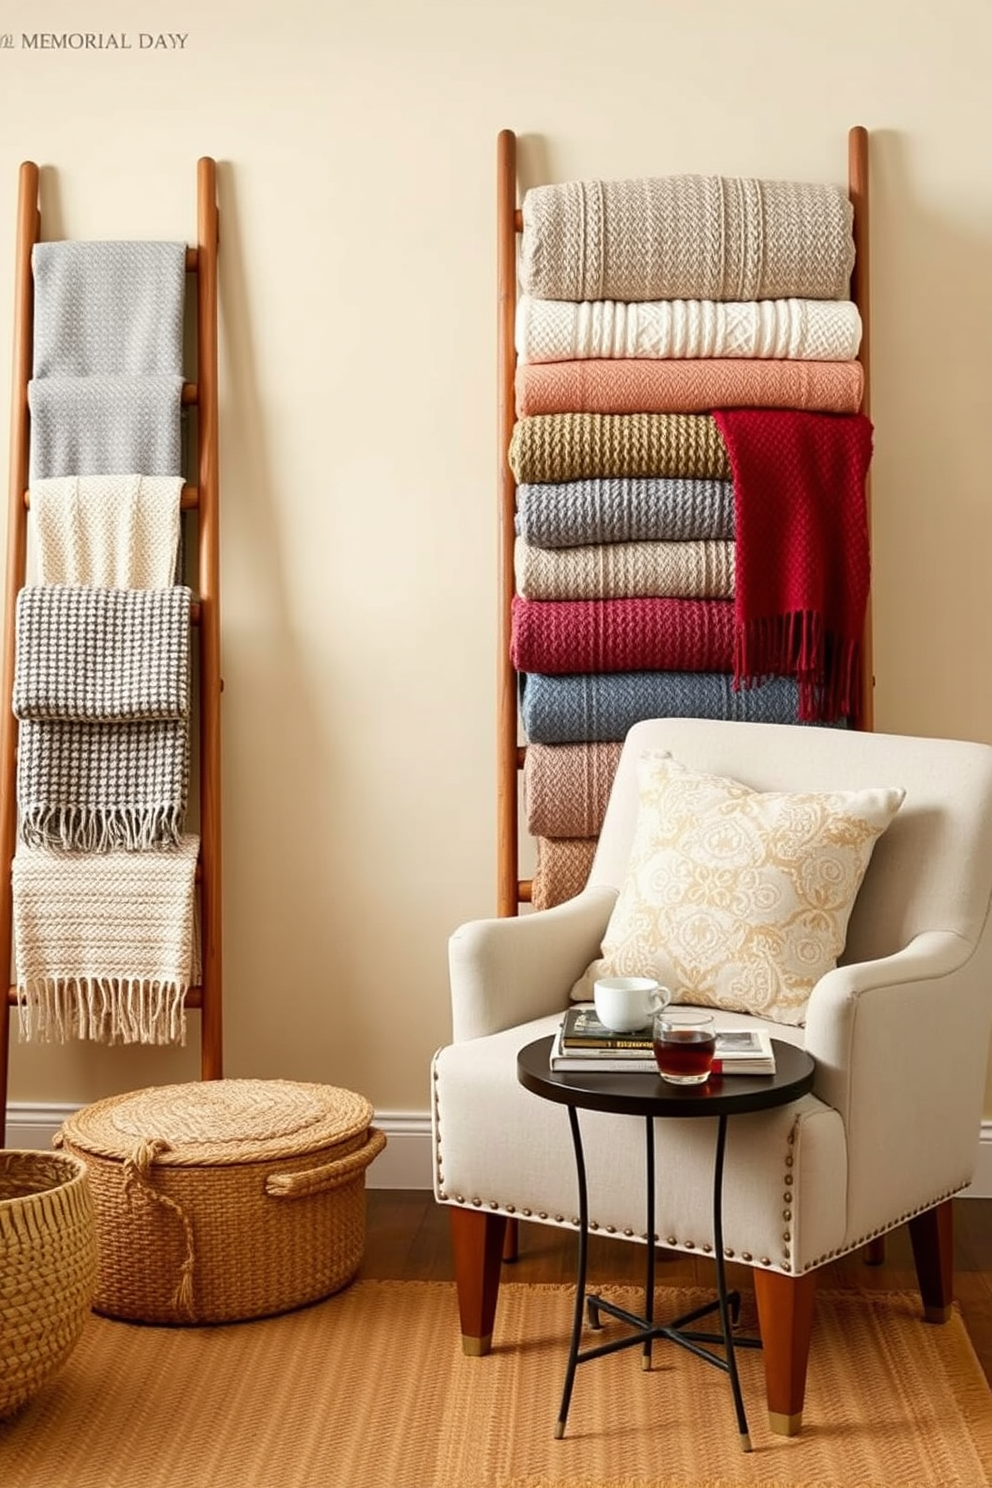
[[584, 1043]]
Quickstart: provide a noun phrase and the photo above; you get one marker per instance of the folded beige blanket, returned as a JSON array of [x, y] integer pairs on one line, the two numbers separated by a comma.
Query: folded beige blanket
[[687, 238], [109, 531], [561, 871], [566, 787], [696, 386], [698, 569], [577, 446], [808, 330]]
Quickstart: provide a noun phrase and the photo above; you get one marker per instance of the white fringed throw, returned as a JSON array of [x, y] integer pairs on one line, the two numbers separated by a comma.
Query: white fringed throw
[[113, 531], [105, 944]]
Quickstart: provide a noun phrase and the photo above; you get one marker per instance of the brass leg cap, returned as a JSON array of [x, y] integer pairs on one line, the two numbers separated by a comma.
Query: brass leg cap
[[937, 1314], [559, 1430], [746, 1441], [476, 1347], [784, 1425]]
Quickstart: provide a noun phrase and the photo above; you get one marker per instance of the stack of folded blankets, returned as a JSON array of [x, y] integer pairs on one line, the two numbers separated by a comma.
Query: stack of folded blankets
[[692, 535], [103, 878]]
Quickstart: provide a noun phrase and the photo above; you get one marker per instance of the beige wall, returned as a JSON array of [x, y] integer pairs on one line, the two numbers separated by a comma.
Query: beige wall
[[356, 145]]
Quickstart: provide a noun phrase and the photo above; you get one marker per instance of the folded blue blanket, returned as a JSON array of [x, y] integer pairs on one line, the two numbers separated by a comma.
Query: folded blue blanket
[[596, 707], [566, 514]]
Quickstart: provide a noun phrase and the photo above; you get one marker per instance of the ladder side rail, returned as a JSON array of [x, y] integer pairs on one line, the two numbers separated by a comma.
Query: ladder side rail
[[210, 683], [857, 169]]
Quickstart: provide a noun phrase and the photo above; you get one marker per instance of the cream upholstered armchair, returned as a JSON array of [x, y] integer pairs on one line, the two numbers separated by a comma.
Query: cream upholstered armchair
[[899, 1029]]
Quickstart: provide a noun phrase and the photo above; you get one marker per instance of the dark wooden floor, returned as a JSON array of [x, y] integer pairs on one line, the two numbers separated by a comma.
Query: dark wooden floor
[[408, 1240]]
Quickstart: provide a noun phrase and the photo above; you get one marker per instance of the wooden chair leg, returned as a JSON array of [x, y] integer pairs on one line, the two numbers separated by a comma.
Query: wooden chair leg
[[785, 1319], [932, 1234], [874, 1252], [477, 1247]]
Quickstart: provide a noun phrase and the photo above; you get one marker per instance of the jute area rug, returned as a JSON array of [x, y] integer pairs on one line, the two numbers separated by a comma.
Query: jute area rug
[[370, 1389]]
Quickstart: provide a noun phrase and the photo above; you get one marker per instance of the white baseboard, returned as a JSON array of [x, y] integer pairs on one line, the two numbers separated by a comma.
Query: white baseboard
[[406, 1160], [404, 1163]]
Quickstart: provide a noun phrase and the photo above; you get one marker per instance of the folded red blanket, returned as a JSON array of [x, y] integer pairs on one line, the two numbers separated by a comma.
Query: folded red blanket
[[622, 635], [803, 562]]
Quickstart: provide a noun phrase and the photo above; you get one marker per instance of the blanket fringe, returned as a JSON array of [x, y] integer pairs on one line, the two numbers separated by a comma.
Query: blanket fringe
[[88, 829], [107, 1010], [825, 665]]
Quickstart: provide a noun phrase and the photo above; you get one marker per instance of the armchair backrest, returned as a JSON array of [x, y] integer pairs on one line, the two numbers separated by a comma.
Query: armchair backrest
[[932, 868]]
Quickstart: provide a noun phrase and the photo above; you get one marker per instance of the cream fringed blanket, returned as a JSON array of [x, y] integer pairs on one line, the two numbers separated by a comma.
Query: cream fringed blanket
[[105, 944], [110, 531], [577, 446], [687, 238], [804, 330], [696, 386], [677, 570]]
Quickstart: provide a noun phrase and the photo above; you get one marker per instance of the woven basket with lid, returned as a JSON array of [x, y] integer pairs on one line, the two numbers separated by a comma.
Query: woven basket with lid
[[47, 1267], [225, 1199]]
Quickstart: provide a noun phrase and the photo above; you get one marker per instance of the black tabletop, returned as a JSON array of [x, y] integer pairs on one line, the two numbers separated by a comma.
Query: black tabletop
[[634, 1094]]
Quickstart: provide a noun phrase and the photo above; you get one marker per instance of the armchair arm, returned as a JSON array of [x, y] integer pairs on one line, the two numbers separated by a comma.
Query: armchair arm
[[509, 971], [901, 1046]]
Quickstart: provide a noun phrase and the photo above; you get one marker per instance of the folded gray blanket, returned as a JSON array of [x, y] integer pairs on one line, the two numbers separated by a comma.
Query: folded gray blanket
[[108, 308], [101, 654], [92, 787], [686, 237], [602, 706], [570, 514], [105, 425]]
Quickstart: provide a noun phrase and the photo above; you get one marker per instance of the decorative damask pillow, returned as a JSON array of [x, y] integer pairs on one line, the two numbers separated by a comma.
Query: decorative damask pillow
[[734, 898]]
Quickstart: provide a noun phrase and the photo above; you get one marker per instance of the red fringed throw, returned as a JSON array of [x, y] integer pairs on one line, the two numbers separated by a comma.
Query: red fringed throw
[[803, 563]]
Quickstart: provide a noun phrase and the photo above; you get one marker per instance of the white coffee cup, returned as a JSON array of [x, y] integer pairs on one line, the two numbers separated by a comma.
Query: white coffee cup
[[624, 1004]]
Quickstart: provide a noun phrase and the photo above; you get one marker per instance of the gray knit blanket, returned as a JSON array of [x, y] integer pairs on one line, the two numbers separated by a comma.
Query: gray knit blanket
[[567, 514], [601, 706], [113, 308], [687, 237], [101, 654], [92, 787], [104, 425]]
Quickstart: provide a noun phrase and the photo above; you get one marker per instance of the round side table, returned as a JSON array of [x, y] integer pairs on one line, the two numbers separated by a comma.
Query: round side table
[[636, 1094]]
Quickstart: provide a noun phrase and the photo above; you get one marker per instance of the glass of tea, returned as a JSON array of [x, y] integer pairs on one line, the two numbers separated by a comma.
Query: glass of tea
[[684, 1041]]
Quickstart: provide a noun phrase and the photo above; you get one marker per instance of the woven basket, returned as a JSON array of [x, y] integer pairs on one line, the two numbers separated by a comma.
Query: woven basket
[[48, 1266], [225, 1199]]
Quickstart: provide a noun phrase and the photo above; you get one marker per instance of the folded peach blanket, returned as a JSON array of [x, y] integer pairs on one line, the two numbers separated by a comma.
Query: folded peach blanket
[[680, 570], [562, 870], [566, 787], [569, 330], [644, 386]]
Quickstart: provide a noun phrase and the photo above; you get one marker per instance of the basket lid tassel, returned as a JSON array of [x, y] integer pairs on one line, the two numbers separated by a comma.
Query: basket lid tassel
[[137, 1169]]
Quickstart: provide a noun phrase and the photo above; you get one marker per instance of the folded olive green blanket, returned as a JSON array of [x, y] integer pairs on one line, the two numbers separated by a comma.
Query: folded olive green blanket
[[577, 446]]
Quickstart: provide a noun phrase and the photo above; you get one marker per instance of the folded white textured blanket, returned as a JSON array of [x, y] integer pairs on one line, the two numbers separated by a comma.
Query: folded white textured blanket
[[112, 531], [789, 329], [697, 569], [103, 425], [105, 944], [108, 308], [687, 237]]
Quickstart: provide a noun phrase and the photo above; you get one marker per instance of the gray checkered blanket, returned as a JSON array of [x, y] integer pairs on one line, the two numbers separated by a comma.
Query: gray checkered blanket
[[101, 654]]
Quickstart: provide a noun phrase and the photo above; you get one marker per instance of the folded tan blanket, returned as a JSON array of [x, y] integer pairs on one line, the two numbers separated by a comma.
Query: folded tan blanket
[[111, 531], [687, 387], [566, 787], [687, 237], [566, 330], [576, 446], [681, 570], [561, 871]]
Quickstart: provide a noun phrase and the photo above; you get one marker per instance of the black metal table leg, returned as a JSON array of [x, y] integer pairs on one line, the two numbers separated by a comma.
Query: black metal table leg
[[649, 1269], [721, 1282], [580, 1286]]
